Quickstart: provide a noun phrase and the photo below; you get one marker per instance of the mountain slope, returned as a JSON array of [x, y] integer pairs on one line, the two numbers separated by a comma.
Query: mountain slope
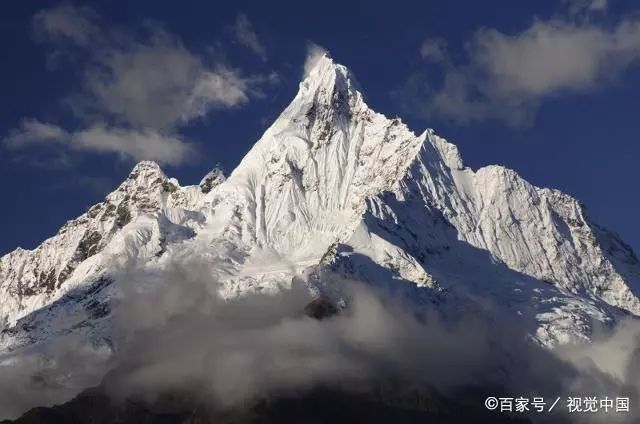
[[333, 185], [145, 213]]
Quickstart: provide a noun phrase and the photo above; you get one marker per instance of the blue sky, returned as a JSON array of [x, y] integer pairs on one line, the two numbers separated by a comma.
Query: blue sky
[[548, 88]]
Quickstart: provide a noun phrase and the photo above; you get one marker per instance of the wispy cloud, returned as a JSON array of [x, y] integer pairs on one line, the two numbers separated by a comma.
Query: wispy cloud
[[135, 144], [127, 143], [314, 54], [246, 35], [32, 131], [586, 6]]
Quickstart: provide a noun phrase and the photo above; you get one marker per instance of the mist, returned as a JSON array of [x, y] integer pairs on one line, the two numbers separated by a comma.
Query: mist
[[172, 332]]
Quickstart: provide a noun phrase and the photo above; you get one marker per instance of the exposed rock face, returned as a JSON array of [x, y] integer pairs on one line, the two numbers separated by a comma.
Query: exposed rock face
[[213, 179], [320, 308], [81, 251]]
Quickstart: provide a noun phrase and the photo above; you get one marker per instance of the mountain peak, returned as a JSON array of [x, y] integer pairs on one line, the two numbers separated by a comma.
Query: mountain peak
[[146, 176], [213, 178], [146, 169], [320, 64], [326, 76], [146, 165]]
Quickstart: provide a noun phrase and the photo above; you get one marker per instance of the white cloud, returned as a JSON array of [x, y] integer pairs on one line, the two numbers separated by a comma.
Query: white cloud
[[507, 76], [66, 22], [147, 144], [246, 35], [314, 54], [159, 83], [554, 55], [222, 88], [32, 131], [138, 88]]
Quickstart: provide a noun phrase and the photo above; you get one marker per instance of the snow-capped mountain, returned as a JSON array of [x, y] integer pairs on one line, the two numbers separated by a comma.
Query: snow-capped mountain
[[334, 185]]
